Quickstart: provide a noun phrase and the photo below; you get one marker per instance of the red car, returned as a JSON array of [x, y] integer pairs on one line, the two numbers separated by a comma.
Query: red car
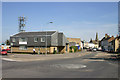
[[7, 49], [3, 52]]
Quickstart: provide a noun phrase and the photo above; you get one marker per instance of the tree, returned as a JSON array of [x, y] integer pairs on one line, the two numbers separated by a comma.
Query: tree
[[7, 42], [91, 40]]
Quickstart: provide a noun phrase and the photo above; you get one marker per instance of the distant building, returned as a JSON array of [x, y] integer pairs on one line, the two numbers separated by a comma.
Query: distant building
[[88, 45], [105, 42], [115, 45], [96, 41], [75, 42], [27, 41]]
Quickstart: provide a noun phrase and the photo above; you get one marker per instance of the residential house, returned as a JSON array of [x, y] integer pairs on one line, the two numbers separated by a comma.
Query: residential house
[[105, 42], [115, 45], [42, 42]]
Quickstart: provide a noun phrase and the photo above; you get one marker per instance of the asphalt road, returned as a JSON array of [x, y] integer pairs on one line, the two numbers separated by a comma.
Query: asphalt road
[[80, 67]]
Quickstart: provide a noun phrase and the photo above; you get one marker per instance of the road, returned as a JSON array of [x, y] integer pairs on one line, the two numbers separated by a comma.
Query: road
[[86, 66]]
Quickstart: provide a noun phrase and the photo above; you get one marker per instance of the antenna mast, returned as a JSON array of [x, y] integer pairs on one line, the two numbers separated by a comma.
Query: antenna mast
[[22, 21]]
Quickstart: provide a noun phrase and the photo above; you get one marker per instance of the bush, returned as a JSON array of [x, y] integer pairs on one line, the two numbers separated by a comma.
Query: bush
[[70, 51], [75, 48], [54, 52]]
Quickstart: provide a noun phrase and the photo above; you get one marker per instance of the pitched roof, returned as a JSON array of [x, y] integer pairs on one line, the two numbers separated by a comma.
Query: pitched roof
[[105, 38], [109, 39], [34, 33], [118, 37]]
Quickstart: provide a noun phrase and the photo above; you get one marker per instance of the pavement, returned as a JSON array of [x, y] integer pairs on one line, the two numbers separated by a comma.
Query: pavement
[[88, 65]]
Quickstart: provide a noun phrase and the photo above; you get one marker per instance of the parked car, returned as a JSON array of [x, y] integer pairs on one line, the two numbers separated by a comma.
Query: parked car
[[8, 50], [3, 52], [99, 49], [94, 49], [89, 49]]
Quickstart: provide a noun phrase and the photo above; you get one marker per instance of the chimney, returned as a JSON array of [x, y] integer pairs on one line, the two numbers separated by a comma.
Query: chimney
[[117, 36], [106, 36]]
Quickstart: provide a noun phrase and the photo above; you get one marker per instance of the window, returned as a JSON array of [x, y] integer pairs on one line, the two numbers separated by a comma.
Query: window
[[36, 47], [23, 47], [36, 39], [43, 39], [43, 47], [22, 40], [13, 39]]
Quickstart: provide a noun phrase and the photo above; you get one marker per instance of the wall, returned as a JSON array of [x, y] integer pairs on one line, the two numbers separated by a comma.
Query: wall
[[61, 49], [116, 44], [30, 50], [60, 39], [104, 45], [52, 49], [76, 40], [54, 39]]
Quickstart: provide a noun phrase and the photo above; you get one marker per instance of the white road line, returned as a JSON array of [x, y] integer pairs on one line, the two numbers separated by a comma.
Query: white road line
[[6, 59]]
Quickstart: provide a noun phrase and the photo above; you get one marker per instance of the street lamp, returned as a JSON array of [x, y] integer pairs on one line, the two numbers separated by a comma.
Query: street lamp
[[46, 38]]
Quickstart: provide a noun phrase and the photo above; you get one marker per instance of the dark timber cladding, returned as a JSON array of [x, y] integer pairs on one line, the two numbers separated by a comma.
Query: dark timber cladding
[[54, 38]]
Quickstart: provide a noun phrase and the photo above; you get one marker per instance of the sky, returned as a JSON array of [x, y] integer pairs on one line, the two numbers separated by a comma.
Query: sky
[[74, 19]]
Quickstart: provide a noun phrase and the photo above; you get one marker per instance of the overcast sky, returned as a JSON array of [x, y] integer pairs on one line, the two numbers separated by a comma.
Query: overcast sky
[[74, 19]]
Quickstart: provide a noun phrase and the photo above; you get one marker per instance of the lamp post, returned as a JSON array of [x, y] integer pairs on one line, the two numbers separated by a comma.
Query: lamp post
[[46, 38], [11, 47]]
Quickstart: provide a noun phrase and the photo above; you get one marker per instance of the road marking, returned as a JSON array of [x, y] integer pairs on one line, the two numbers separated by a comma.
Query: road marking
[[6, 59], [69, 66]]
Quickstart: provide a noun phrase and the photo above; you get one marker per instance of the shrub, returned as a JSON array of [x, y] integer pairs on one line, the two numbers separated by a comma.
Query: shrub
[[54, 52], [75, 48]]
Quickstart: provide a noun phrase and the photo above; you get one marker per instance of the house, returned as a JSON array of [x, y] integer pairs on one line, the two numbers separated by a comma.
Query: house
[[115, 45], [42, 42], [105, 42], [75, 42]]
